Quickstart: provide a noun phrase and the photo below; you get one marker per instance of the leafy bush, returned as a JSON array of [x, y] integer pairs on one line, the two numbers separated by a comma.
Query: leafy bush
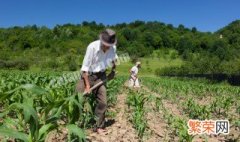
[[2, 64], [171, 71], [18, 64], [173, 55], [53, 64], [72, 65]]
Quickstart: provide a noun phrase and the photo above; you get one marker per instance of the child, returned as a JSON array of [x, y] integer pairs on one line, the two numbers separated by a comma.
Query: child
[[133, 80]]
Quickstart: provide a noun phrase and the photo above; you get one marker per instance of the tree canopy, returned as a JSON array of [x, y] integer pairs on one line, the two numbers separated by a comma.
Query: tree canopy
[[34, 45]]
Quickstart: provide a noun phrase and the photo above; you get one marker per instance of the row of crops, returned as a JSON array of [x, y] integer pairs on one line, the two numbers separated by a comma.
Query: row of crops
[[31, 106], [140, 102], [196, 100]]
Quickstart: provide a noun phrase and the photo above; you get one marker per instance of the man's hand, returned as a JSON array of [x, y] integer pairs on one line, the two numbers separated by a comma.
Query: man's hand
[[87, 84], [133, 77], [87, 90], [111, 75]]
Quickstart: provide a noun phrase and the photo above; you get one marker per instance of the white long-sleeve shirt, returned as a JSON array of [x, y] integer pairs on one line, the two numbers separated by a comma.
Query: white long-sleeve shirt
[[95, 60], [134, 70]]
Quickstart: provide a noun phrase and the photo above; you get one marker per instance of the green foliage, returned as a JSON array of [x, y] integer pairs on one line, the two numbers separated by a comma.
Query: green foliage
[[137, 102], [34, 106], [18, 64], [194, 99], [75, 130], [173, 55], [209, 53], [222, 105], [196, 111], [193, 90], [13, 134], [171, 71]]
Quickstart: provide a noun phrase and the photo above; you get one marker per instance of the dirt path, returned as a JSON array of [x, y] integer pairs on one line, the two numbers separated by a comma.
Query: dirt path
[[121, 130], [166, 103], [156, 125], [176, 111], [156, 122]]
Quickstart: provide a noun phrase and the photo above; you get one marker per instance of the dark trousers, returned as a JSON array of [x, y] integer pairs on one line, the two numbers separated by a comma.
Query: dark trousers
[[100, 93]]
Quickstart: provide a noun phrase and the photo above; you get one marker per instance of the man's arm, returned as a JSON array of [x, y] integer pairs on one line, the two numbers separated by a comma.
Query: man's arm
[[86, 80], [114, 60], [114, 65], [85, 67], [113, 71]]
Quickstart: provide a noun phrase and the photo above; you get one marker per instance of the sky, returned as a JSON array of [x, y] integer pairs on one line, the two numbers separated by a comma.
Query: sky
[[205, 15]]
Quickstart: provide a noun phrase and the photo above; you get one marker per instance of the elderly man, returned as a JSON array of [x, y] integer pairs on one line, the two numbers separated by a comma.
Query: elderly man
[[133, 80], [100, 55]]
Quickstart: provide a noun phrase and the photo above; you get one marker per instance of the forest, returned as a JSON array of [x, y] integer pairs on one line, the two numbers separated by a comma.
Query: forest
[[62, 47]]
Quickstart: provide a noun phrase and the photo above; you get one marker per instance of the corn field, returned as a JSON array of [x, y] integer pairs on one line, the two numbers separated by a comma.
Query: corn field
[[196, 100], [31, 107]]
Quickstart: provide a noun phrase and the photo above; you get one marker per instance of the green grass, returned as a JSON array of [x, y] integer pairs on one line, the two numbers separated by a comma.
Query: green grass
[[149, 65]]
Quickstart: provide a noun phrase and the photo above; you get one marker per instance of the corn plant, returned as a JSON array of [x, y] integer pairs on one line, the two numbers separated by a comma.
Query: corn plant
[[222, 105], [29, 112], [158, 103], [113, 88], [178, 126], [136, 101], [196, 111], [25, 111], [181, 129], [24, 105]]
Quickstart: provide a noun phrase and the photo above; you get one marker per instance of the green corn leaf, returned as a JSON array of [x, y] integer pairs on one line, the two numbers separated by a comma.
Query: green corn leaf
[[55, 116], [27, 110], [43, 131], [237, 123], [3, 114], [4, 96], [9, 122], [13, 134], [30, 111], [30, 87], [56, 104], [74, 129]]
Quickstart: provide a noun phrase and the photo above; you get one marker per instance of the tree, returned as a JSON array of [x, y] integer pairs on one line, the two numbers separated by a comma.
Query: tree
[[181, 28], [194, 29], [152, 40], [220, 49], [130, 35], [139, 50], [184, 44]]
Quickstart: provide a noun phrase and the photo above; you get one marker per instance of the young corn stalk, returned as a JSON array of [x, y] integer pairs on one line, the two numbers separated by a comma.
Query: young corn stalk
[[26, 114], [136, 102]]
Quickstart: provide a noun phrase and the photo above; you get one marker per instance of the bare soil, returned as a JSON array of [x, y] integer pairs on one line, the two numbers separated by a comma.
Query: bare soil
[[121, 130], [176, 110]]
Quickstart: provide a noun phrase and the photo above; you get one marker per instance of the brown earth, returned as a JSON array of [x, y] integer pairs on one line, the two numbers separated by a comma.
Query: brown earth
[[156, 125], [177, 111], [121, 130]]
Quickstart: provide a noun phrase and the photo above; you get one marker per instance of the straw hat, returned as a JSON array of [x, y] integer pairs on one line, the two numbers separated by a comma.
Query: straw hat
[[138, 63], [108, 37]]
